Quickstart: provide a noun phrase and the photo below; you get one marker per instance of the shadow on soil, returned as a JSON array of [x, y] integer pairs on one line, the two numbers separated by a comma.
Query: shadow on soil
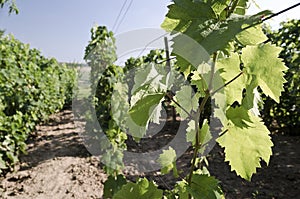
[[57, 138], [280, 179]]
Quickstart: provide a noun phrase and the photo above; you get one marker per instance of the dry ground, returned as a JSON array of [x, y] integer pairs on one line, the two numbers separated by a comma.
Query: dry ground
[[58, 166]]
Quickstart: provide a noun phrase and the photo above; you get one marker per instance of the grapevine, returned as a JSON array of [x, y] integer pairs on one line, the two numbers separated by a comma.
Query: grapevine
[[32, 87], [286, 113], [229, 59]]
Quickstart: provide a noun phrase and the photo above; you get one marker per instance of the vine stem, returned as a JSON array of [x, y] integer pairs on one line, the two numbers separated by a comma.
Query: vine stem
[[232, 8], [172, 99], [227, 83], [213, 68], [197, 119], [198, 144], [200, 110], [271, 16]]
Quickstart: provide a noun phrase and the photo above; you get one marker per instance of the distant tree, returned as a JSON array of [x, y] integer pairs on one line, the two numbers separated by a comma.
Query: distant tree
[[11, 5]]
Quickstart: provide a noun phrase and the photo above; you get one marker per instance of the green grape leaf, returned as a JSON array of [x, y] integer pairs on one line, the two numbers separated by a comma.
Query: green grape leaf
[[113, 159], [200, 78], [143, 109], [167, 161], [119, 104], [219, 106], [248, 100], [252, 36], [241, 7], [256, 102], [181, 189], [204, 134], [246, 142], [185, 11], [229, 48], [239, 117], [265, 68], [135, 130], [191, 133], [224, 32], [113, 184], [219, 5], [187, 100], [205, 187], [142, 189], [218, 100], [184, 66], [196, 80], [198, 21], [230, 68], [170, 24], [143, 79], [213, 35]]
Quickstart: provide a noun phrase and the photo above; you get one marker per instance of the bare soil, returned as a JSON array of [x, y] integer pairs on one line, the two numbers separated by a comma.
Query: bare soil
[[59, 166]]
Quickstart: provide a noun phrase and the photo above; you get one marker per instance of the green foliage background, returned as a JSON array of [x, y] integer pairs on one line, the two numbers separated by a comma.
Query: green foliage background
[[100, 54], [286, 114], [31, 88]]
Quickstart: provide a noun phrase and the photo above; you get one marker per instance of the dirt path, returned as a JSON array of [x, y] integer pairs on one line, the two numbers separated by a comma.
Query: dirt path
[[58, 166]]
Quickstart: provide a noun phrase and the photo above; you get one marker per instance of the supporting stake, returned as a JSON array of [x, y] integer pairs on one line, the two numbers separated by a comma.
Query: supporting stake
[[168, 68]]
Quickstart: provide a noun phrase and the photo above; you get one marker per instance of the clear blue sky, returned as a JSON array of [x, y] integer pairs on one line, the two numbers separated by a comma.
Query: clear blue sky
[[61, 28]]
